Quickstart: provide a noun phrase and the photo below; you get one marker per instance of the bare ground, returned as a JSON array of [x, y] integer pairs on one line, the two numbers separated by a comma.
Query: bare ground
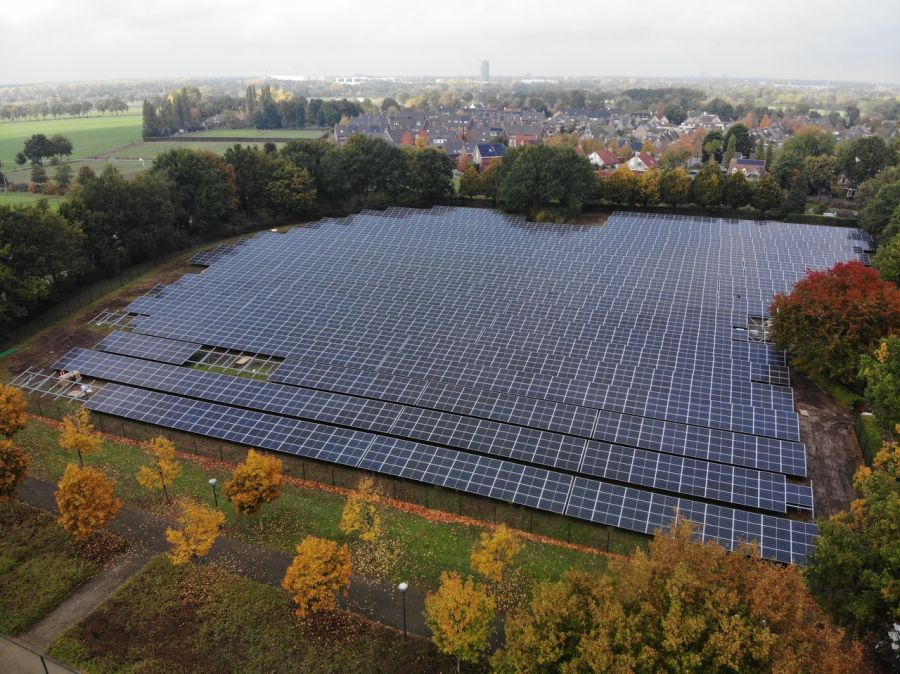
[[833, 452]]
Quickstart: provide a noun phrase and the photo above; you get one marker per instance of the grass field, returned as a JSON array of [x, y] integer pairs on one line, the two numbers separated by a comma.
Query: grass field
[[257, 133], [90, 136], [205, 620], [417, 549], [27, 199], [151, 150], [40, 565]]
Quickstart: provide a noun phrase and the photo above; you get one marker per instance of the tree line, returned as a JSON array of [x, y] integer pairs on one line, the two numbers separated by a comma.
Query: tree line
[[57, 108], [187, 109], [108, 223]]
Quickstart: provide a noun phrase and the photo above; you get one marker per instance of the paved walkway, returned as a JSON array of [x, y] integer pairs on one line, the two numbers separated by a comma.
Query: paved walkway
[[376, 601]]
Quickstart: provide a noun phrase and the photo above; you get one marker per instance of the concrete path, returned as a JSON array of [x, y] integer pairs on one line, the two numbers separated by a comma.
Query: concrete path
[[17, 657]]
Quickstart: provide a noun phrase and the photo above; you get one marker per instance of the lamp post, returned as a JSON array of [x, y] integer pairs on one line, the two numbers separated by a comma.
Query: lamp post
[[212, 483], [403, 587]]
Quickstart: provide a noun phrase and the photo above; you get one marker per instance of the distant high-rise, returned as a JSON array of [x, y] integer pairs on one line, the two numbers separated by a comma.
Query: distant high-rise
[[485, 71]]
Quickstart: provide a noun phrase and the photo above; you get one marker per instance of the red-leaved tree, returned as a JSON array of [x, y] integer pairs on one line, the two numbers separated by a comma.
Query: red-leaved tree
[[832, 317]]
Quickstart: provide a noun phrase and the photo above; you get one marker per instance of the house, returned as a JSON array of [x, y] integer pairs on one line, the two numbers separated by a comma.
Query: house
[[642, 162], [604, 159], [752, 168], [517, 140], [487, 153]]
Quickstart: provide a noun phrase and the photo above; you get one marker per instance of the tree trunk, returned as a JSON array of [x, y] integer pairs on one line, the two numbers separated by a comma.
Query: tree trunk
[[80, 459]]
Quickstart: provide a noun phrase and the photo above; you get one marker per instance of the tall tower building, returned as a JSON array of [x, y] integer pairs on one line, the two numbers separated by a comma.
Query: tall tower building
[[485, 71]]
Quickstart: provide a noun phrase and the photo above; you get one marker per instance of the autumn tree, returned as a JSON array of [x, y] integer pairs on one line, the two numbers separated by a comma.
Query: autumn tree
[[621, 187], [164, 468], [199, 528], [681, 607], [13, 468], [675, 187], [78, 434], [470, 183], [12, 410], [706, 189], [832, 317], [86, 500], [854, 570], [318, 573], [495, 552], [254, 483], [361, 517], [881, 373], [648, 186], [461, 618]]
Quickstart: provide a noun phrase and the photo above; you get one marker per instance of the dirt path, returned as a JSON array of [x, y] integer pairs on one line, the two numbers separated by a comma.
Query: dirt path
[[832, 450]]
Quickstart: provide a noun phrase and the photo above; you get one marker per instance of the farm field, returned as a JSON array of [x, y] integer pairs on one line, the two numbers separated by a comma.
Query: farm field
[[27, 199], [151, 150], [257, 133], [90, 136]]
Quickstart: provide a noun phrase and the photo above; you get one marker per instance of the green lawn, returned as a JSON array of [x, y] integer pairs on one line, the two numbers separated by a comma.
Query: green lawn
[[28, 199], [90, 136], [257, 133], [40, 565], [204, 620], [417, 549]]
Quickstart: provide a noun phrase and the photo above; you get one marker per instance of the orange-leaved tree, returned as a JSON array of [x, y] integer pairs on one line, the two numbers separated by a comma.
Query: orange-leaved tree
[[12, 410], [360, 516], [318, 573], [461, 617], [683, 606], [164, 468], [199, 529], [13, 468], [86, 499], [254, 483], [78, 434], [494, 552]]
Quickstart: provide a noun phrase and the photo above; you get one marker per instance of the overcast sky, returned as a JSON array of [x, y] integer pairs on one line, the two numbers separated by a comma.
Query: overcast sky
[[62, 40]]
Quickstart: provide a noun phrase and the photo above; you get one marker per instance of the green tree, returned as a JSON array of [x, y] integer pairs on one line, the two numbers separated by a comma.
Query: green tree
[[795, 202], [881, 373], [737, 190], [202, 186], [729, 152], [675, 187], [760, 152], [706, 189], [470, 183], [430, 172], [60, 146], [821, 171], [713, 143], [373, 166], [863, 158], [540, 175], [743, 143], [767, 196], [38, 174], [41, 255], [769, 153], [854, 570], [877, 213], [887, 260], [252, 172], [63, 175], [37, 147], [290, 191]]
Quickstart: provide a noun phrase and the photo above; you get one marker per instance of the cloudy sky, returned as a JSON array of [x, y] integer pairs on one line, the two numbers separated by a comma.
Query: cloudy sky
[[59, 40]]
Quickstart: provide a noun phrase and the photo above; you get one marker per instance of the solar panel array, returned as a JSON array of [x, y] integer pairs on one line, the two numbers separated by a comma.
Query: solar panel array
[[604, 373]]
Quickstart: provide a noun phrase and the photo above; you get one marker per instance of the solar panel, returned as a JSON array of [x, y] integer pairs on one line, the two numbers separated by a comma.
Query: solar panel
[[627, 354]]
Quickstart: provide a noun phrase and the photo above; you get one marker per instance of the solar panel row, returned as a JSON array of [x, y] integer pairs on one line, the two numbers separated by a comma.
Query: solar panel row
[[593, 500], [763, 490]]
